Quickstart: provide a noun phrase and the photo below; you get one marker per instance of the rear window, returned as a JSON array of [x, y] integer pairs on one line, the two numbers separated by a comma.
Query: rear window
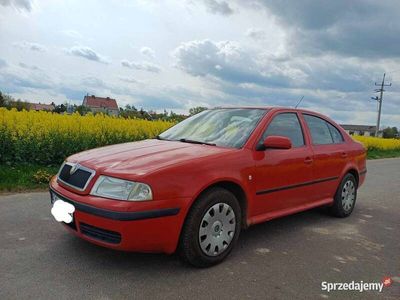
[[320, 132], [336, 135]]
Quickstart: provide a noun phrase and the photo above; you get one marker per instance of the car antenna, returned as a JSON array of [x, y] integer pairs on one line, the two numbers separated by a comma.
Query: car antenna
[[301, 99]]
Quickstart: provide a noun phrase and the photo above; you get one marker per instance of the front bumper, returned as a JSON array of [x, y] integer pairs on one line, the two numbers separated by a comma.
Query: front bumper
[[150, 226]]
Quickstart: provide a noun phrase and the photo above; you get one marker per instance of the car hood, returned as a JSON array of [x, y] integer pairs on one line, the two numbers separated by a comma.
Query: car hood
[[141, 158]]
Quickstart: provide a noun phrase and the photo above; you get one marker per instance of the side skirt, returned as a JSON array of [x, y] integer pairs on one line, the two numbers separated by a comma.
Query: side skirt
[[285, 212]]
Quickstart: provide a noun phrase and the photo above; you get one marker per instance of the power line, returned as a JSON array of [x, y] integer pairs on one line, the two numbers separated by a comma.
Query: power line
[[394, 71], [379, 99]]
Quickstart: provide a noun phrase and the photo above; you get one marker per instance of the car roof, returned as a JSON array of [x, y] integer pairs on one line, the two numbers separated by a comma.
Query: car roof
[[279, 108], [271, 108]]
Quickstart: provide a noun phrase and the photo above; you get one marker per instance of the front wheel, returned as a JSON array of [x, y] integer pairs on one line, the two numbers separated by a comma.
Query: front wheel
[[211, 229], [345, 197]]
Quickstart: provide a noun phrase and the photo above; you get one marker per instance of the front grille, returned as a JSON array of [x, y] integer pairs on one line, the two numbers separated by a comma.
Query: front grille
[[79, 179], [100, 234]]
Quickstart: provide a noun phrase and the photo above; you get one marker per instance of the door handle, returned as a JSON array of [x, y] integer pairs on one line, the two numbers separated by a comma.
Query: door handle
[[308, 160], [344, 154]]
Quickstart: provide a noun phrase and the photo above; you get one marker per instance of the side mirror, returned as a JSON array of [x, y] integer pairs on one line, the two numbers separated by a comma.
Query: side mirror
[[277, 142]]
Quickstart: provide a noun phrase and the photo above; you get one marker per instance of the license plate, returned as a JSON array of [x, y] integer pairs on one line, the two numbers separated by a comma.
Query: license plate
[[63, 211]]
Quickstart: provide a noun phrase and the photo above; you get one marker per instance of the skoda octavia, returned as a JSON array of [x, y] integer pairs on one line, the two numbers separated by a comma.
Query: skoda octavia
[[195, 186]]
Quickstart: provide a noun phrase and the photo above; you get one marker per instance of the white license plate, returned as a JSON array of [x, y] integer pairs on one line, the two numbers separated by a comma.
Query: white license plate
[[63, 211]]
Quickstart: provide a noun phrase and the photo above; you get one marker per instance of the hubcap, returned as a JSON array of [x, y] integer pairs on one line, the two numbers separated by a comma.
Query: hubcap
[[217, 229], [348, 195]]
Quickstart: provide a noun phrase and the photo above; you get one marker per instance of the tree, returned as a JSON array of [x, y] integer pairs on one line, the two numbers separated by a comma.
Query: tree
[[390, 132], [60, 108], [82, 110], [196, 110], [19, 105], [129, 107], [7, 101], [2, 100]]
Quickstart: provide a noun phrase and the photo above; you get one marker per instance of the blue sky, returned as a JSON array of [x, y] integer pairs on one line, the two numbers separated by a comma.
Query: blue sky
[[179, 54]]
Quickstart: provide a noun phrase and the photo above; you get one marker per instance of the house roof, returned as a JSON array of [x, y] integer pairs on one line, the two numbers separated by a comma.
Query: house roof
[[358, 127], [100, 102], [40, 106]]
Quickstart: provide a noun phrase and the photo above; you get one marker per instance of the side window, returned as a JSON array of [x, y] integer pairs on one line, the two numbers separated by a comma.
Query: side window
[[336, 135], [286, 124], [319, 130]]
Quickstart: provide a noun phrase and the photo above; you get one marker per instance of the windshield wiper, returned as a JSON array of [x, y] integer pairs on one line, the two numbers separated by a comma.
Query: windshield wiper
[[157, 137], [196, 142]]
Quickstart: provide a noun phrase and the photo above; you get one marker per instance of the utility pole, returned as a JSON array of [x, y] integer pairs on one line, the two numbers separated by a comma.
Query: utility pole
[[379, 99]]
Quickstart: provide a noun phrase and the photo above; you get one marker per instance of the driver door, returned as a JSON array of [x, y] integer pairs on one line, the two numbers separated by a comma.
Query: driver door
[[282, 174]]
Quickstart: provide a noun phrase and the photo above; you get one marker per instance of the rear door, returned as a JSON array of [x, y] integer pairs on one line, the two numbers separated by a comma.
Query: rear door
[[330, 155], [281, 174]]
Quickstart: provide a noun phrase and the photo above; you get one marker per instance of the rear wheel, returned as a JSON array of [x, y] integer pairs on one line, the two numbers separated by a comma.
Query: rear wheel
[[345, 197], [211, 229]]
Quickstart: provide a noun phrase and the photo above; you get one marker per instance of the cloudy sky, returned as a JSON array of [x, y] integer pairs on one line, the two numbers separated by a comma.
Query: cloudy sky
[[184, 53]]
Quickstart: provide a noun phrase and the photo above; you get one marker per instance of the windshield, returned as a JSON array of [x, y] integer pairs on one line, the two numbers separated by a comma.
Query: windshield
[[221, 127]]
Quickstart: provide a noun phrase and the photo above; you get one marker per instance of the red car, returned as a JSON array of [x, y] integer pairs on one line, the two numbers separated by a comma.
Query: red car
[[195, 186]]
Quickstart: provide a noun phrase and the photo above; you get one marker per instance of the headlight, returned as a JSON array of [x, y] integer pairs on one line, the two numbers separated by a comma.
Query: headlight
[[120, 189]]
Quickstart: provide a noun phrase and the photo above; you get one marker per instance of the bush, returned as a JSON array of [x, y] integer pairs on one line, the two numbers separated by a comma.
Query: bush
[[42, 176]]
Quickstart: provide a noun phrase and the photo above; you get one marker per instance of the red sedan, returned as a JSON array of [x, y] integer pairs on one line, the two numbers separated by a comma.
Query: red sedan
[[195, 186]]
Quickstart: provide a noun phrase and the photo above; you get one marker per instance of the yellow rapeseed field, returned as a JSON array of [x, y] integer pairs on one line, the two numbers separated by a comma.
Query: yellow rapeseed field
[[373, 143], [47, 138]]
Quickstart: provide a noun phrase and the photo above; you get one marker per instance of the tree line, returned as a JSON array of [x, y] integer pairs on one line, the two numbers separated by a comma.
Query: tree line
[[129, 111]]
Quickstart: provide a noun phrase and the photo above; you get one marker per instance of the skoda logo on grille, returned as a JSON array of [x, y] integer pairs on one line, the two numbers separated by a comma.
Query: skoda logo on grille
[[73, 169]]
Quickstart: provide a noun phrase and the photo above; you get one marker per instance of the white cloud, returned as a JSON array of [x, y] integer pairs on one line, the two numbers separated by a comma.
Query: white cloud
[[20, 81], [244, 75], [87, 53], [148, 52], [228, 61], [218, 7], [342, 27], [92, 81], [142, 66], [18, 4], [28, 67], [129, 79], [30, 46], [3, 63], [256, 33], [72, 33]]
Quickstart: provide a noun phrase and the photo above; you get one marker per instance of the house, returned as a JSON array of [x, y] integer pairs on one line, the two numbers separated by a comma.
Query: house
[[40, 106], [99, 104], [366, 130]]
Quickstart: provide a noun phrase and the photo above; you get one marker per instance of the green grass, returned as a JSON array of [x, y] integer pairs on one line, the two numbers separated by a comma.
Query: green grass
[[24, 177], [375, 154]]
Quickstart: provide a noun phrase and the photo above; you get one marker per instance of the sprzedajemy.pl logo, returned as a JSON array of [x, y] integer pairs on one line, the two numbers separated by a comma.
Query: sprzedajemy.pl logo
[[360, 286]]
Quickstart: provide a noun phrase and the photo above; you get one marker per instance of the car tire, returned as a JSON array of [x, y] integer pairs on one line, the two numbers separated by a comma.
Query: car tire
[[345, 197], [211, 229]]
